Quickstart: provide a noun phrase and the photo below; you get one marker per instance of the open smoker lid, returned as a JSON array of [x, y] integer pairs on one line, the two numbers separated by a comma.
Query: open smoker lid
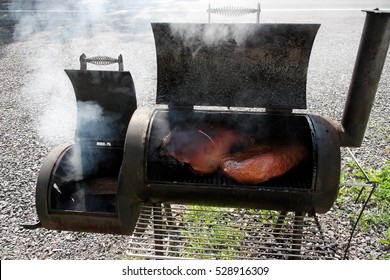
[[106, 101], [243, 65]]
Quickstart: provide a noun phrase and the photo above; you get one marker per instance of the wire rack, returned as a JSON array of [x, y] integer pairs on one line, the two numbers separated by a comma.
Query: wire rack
[[199, 232]]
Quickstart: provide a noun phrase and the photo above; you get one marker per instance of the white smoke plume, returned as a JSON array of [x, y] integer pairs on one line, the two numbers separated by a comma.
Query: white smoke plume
[[53, 34]]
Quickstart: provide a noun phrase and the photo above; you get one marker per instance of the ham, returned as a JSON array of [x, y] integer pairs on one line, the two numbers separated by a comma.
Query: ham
[[260, 163], [201, 145]]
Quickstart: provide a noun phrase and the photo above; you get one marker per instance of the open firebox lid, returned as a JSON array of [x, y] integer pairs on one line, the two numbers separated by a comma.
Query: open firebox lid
[[242, 65], [106, 101]]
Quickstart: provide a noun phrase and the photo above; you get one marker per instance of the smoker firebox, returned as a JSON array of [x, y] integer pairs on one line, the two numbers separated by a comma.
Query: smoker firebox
[[77, 187]]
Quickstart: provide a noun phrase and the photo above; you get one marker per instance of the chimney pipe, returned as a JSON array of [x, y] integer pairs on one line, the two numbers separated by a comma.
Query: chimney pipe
[[371, 57]]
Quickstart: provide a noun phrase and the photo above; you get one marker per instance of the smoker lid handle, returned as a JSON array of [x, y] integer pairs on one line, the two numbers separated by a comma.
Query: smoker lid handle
[[231, 11], [100, 60]]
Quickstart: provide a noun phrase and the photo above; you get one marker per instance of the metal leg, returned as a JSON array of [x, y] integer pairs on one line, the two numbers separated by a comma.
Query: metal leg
[[172, 231], [168, 214], [297, 235], [318, 226], [158, 229], [363, 172], [374, 185], [279, 224]]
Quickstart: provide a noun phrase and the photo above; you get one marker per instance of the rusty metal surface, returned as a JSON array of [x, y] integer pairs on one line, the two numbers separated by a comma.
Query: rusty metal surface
[[243, 65]]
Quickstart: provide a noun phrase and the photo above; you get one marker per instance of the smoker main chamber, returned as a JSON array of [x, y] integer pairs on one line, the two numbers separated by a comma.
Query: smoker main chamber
[[217, 73], [307, 188]]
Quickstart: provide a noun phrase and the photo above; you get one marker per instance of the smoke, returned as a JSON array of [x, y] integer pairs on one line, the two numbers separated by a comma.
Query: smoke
[[64, 19], [212, 35], [90, 114], [53, 34], [44, 29], [71, 166], [47, 95], [94, 123]]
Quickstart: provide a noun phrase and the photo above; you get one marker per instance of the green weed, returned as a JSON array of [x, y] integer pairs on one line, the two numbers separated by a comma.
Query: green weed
[[216, 235], [377, 209]]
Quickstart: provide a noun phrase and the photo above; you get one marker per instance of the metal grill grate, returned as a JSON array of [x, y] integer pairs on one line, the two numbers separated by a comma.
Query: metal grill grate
[[201, 232], [299, 178]]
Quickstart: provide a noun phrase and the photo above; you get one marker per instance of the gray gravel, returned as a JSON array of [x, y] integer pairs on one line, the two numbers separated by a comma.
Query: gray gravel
[[37, 113]]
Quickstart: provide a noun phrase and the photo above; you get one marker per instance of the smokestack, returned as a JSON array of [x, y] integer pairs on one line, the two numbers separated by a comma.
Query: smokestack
[[369, 63]]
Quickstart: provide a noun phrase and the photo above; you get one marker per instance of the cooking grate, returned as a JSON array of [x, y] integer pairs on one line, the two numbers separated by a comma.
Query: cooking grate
[[160, 173], [202, 232]]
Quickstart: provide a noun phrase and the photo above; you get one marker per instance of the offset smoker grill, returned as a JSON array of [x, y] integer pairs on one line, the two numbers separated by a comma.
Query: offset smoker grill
[[247, 77]]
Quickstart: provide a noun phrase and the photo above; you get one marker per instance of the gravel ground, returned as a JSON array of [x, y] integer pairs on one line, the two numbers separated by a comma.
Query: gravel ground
[[38, 112]]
